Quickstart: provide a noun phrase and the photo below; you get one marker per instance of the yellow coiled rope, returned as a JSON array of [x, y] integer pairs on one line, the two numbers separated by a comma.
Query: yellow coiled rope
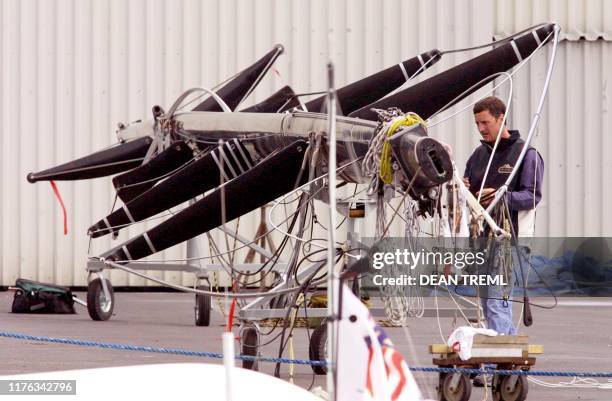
[[386, 169]]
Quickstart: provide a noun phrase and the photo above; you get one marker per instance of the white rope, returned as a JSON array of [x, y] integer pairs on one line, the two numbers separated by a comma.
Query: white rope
[[199, 258], [271, 293], [411, 77], [516, 69], [576, 382], [279, 201], [120, 226], [414, 299], [371, 160]]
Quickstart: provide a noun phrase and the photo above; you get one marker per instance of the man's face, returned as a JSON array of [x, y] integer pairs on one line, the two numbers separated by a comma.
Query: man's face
[[487, 125]]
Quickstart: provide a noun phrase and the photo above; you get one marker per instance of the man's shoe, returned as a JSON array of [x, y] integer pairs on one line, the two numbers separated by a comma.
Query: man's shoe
[[480, 380]]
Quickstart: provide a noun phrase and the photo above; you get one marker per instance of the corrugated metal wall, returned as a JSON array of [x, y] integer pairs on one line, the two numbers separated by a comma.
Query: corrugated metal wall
[[575, 131], [72, 69], [580, 19]]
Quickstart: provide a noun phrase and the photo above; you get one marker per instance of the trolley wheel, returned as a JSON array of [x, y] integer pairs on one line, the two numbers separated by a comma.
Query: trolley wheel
[[98, 306], [505, 391], [250, 346], [317, 348], [202, 307], [460, 392]]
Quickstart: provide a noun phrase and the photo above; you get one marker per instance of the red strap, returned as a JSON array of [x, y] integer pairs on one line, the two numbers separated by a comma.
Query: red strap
[[230, 319], [61, 202]]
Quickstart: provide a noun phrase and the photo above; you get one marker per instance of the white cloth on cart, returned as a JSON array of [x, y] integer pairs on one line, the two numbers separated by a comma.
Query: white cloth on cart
[[462, 339]]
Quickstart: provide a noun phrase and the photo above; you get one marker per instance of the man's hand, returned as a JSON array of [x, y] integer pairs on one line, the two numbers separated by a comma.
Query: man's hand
[[466, 181], [487, 196]]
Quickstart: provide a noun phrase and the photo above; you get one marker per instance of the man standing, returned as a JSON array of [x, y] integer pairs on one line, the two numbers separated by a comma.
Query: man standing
[[522, 196], [525, 190]]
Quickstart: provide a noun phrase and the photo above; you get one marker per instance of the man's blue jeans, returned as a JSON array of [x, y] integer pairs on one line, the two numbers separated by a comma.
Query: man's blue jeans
[[497, 311], [498, 316]]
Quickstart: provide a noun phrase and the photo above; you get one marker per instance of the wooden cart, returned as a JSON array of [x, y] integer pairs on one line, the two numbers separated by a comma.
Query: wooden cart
[[507, 352]]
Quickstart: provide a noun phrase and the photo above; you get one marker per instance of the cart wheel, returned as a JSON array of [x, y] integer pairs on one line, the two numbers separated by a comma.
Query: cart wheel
[[317, 349], [202, 307], [99, 307], [460, 392], [250, 346], [504, 391]]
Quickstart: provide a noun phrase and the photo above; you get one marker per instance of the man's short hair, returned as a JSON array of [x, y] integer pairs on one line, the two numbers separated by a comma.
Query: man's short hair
[[491, 104]]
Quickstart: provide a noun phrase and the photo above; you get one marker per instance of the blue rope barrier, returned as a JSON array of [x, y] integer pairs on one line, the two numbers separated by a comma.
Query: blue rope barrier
[[217, 355], [174, 351]]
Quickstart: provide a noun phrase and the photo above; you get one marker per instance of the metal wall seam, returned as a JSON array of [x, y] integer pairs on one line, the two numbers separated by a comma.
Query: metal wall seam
[[606, 145], [80, 209], [10, 123], [592, 157], [3, 144], [101, 125], [25, 138], [65, 128], [43, 151]]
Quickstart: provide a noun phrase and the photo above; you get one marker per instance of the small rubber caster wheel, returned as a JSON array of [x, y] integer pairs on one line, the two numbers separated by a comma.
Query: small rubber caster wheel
[[511, 390], [450, 391], [99, 307], [202, 307]]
